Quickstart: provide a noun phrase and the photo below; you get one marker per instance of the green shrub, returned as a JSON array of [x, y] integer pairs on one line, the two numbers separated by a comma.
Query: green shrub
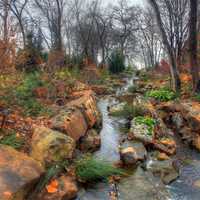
[[89, 169], [148, 121], [162, 94], [116, 62], [130, 111], [12, 140]]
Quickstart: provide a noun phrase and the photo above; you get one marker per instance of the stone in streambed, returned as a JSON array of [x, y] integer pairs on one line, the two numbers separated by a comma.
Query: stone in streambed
[[128, 156], [49, 146], [139, 148], [165, 170], [18, 174], [141, 186]]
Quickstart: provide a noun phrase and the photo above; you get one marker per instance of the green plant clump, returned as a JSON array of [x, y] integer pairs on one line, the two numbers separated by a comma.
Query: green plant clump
[[162, 94], [12, 140], [148, 121], [89, 169]]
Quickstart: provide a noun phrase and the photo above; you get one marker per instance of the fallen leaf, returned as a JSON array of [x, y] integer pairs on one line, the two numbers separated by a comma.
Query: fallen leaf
[[52, 187]]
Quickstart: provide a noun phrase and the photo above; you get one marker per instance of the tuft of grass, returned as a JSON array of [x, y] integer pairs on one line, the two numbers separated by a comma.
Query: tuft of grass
[[148, 121], [89, 169], [162, 94], [130, 111], [12, 140]]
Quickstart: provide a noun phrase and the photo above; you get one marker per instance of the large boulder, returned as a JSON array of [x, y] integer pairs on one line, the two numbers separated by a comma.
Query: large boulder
[[64, 188], [88, 106], [91, 142], [72, 122], [18, 174], [49, 146]]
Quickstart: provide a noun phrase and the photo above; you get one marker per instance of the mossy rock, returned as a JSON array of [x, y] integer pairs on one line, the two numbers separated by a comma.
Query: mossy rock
[[48, 146]]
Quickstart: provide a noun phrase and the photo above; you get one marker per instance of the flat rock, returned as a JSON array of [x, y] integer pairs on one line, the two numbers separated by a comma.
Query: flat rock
[[49, 146], [18, 173]]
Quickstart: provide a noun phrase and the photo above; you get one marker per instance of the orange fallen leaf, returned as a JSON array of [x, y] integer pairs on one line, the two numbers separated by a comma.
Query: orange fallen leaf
[[7, 194], [52, 187]]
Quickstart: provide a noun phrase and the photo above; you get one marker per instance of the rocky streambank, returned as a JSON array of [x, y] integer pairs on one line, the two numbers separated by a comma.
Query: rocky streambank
[[75, 128]]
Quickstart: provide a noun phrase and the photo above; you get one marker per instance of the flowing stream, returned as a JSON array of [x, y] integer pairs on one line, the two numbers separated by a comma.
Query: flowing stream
[[141, 185]]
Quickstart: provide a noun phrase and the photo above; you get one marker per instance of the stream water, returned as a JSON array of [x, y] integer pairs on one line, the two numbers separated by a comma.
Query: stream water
[[141, 185]]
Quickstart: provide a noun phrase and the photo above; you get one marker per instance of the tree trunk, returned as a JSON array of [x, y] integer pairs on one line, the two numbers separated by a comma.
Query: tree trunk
[[193, 46], [174, 70]]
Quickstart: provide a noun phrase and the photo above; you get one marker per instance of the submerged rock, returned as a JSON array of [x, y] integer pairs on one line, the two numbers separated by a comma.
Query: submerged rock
[[165, 170], [91, 142], [18, 174], [49, 146], [140, 186]]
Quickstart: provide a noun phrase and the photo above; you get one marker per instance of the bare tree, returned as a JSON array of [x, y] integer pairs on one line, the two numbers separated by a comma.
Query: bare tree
[[17, 7], [53, 13], [176, 83], [193, 45], [150, 43]]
